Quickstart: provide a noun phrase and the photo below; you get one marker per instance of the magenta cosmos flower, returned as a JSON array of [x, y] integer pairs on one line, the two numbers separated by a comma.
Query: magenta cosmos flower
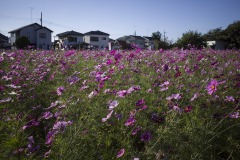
[[131, 120], [146, 136], [212, 86], [60, 90], [120, 153]]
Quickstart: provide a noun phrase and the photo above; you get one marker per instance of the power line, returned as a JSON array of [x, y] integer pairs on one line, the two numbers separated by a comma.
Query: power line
[[31, 12], [37, 19], [15, 18], [52, 23]]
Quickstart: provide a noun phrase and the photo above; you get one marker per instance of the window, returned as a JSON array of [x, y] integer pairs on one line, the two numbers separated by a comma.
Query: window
[[28, 35], [95, 39], [72, 39], [42, 35], [104, 38]]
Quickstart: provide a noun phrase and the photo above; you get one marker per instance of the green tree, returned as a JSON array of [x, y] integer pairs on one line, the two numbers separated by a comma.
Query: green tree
[[232, 33], [22, 42], [215, 34], [157, 36], [192, 38], [159, 42]]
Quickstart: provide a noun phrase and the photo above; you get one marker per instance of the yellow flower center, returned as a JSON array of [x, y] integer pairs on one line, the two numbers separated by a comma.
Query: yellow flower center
[[213, 87]]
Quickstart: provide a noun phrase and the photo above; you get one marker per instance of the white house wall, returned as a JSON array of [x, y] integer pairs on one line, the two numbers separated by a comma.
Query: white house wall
[[79, 40], [12, 38], [101, 43]]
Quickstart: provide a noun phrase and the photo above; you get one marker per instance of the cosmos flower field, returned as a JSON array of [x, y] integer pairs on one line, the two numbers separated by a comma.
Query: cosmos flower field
[[103, 105]]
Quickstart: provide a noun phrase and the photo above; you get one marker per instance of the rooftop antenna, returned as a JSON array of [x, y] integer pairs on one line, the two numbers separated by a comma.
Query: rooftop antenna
[[41, 19], [31, 12]]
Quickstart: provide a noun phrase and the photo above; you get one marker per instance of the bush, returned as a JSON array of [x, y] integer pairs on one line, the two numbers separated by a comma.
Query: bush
[[22, 42]]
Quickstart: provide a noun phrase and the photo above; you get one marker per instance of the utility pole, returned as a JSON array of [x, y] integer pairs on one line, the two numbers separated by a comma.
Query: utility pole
[[41, 19], [135, 33], [31, 12], [164, 35]]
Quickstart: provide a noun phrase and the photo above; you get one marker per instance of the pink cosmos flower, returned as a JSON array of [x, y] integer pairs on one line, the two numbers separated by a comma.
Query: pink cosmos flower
[[6, 100], [195, 96], [61, 125], [33, 122], [30, 146], [47, 153], [108, 116], [135, 130], [188, 109], [131, 120], [52, 76], [120, 153], [1, 88], [60, 90], [178, 109], [212, 86], [229, 98], [122, 93], [140, 102], [93, 93], [113, 104], [47, 115], [174, 96], [234, 115], [106, 90], [1, 58], [50, 136], [146, 136]]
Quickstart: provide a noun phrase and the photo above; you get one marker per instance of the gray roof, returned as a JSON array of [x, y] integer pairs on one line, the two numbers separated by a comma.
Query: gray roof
[[69, 33], [97, 33], [137, 37], [149, 38], [123, 38], [131, 37], [3, 37], [18, 29]]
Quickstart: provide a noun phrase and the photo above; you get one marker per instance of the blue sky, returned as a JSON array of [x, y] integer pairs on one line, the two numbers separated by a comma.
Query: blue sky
[[121, 17]]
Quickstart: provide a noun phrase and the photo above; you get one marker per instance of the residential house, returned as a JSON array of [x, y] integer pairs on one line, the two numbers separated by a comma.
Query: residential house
[[132, 40], [218, 45], [39, 36], [70, 39], [97, 39], [3, 41], [149, 42], [113, 44], [138, 41]]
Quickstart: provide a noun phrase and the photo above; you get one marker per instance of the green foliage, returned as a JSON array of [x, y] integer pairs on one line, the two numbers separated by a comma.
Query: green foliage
[[230, 35], [160, 42], [233, 35], [157, 35], [190, 39], [215, 34], [22, 42]]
